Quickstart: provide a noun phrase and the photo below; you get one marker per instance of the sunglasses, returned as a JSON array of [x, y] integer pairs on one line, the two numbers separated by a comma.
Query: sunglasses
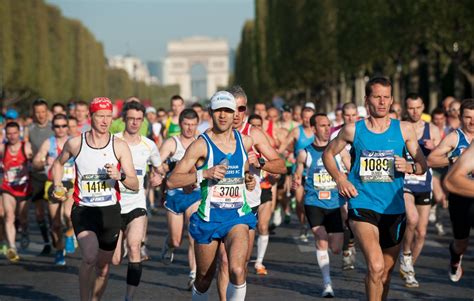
[[62, 126], [242, 108]]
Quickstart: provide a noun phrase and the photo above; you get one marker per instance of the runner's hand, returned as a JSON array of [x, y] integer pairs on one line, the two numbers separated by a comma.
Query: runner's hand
[[112, 171], [253, 160], [215, 173], [155, 179], [250, 181], [401, 164], [346, 189], [59, 193], [296, 182], [190, 188], [428, 143]]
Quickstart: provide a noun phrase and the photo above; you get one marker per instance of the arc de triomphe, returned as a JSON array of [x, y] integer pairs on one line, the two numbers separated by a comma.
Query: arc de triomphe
[[213, 54]]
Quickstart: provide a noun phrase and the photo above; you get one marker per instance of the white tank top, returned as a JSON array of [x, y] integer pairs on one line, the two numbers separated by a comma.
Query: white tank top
[[178, 155], [93, 187], [143, 154]]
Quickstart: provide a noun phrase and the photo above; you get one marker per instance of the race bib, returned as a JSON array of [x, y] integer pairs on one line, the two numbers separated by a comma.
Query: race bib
[[68, 174], [16, 176], [97, 188], [322, 180], [228, 193], [377, 166]]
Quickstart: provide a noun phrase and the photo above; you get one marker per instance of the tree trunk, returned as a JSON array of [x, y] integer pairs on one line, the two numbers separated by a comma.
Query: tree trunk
[[359, 88]]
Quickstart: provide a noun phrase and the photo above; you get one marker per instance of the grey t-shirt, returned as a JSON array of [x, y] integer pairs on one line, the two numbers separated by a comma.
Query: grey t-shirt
[[37, 135]]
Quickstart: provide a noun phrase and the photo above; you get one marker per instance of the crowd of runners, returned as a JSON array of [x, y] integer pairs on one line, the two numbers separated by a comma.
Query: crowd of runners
[[368, 178]]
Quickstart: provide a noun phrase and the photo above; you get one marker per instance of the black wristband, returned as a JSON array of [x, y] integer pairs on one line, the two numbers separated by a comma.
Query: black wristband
[[123, 176], [414, 168]]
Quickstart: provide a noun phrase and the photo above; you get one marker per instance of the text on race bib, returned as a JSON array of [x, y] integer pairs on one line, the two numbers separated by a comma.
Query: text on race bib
[[97, 188], [322, 180], [377, 166], [227, 193]]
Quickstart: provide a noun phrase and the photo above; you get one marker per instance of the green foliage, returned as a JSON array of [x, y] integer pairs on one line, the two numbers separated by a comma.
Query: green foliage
[[298, 45], [42, 53]]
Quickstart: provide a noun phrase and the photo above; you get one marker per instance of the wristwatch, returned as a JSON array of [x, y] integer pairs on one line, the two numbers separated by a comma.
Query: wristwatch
[[123, 176], [414, 168]]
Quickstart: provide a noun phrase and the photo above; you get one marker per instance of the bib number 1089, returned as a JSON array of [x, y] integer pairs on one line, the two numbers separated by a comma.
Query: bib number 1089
[[376, 164]]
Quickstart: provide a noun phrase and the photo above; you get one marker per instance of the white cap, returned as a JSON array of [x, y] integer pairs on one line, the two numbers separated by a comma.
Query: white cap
[[223, 99], [150, 110], [310, 105]]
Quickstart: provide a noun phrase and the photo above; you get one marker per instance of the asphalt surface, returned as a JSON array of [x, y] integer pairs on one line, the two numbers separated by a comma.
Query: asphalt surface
[[293, 273]]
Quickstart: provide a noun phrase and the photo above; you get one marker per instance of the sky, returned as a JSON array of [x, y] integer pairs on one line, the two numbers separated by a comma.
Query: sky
[[143, 27]]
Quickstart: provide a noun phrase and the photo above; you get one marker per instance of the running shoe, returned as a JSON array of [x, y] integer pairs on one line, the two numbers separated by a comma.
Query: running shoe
[[167, 255], [287, 219], [456, 271], [328, 291], [69, 244], [24, 240], [3, 248], [59, 258], [353, 253], [277, 216], [12, 255], [440, 229], [304, 234], [46, 250], [406, 266], [410, 281], [432, 216], [260, 269], [144, 253], [192, 279], [347, 263]]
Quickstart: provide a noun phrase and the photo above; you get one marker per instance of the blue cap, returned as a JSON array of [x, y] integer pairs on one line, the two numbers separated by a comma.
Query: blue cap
[[11, 114]]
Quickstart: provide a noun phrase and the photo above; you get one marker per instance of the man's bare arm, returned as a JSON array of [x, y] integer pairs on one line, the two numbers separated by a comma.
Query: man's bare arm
[[183, 174], [439, 156], [39, 159], [275, 164], [292, 136], [457, 179], [411, 142], [126, 164], [70, 149]]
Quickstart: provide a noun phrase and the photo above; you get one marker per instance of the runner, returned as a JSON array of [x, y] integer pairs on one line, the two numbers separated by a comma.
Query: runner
[[375, 182], [16, 185], [224, 216], [446, 153], [180, 204], [417, 192], [349, 115], [172, 123], [301, 137], [38, 132], [133, 204], [48, 152], [96, 210], [273, 164], [81, 113], [322, 202]]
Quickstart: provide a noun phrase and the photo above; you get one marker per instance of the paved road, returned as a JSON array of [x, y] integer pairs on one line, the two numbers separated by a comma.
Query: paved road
[[293, 273]]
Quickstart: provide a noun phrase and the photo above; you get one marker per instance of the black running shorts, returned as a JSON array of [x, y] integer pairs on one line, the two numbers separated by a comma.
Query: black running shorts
[[105, 222], [331, 219], [127, 218], [461, 213], [391, 226]]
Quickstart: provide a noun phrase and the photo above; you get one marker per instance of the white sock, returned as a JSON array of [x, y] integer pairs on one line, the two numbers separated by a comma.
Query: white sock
[[323, 262], [198, 296], [262, 244], [236, 292]]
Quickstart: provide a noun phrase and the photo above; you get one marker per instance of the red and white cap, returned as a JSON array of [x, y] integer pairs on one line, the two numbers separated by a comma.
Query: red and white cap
[[100, 103]]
